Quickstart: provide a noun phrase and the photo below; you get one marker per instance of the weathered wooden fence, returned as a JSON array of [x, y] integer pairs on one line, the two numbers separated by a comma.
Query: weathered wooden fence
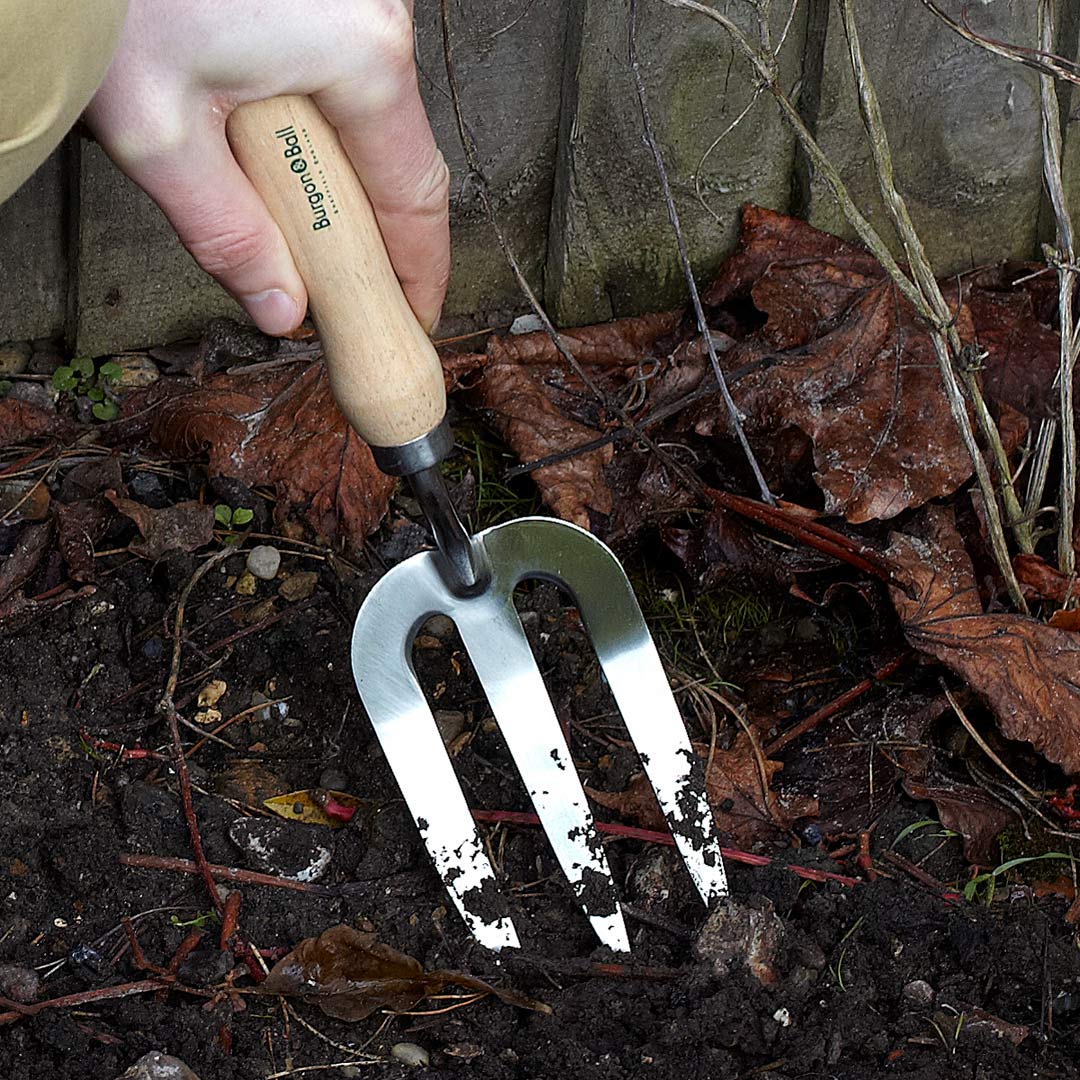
[[547, 92]]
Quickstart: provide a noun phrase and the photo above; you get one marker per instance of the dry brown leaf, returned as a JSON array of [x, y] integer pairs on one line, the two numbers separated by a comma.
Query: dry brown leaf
[[20, 421], [733, 786], [187, 526], [619, 342], [1048, 582], [281, 428], [966, 810], [1027, 672], [349, 974], [24, 559], [534, 427]]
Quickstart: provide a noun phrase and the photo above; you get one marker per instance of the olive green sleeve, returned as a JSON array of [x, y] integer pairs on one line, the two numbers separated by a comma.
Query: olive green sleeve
[[53, 56]]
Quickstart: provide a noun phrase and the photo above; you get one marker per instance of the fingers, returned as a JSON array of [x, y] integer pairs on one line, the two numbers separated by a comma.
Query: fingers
[[394, 153], [223, 222]]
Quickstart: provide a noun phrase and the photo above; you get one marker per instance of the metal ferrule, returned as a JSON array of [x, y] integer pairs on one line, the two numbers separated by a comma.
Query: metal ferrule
[[462, 563]]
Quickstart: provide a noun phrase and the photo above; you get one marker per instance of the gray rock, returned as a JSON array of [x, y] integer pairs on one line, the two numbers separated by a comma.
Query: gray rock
[[19, 983], [284, 848], [136, 370], [264, 561], [158, 1066], [410, 1054], [14, 358], [751, 934], [450, 724], [440, 626], [918, 992]]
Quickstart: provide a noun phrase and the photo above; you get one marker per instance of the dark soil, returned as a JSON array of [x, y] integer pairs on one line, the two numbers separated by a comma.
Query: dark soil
[[838, 1007]]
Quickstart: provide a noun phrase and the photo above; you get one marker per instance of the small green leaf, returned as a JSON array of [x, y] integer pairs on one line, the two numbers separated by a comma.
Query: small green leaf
[[5, 386], [242, 515], [95, 394], [106, 410], [223, 515], [83, 365], [111, 371], [63, 378]]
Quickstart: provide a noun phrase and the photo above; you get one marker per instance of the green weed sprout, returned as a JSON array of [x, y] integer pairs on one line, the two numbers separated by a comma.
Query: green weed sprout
[[80, 379], [232, 520]]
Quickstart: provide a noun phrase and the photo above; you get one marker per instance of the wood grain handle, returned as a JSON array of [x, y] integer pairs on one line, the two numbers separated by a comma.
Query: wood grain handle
[[384, 371]]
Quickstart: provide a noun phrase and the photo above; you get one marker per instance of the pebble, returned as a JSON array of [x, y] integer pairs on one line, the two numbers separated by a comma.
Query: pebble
[[440, 626], [918, 992], [264, 561], [136, 369], [333, 780], [19, 983], [450, 724], [246, 585], [158, 1066], [410, 1054], [212, 692], [738, 933], [14, 358], [298, 586], [282, 848]]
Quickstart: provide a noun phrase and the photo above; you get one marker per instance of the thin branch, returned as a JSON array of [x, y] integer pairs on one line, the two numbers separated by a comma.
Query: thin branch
[[688, 272], [1043, 61], [1064, 259]]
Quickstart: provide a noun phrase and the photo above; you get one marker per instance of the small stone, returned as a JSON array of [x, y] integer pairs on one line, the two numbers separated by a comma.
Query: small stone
[[298, 586], [21, 984], [14, 358], [287, 849], [153, 648], [410, 1054], [212, 692], [440, 626], [208, 716], [450, 724], [256, 613], [264, 561], [333, 780], [136, 370], [783, 1017], [246, 585], [259, 698], [918, 992], [158, 1066], [749, 934]]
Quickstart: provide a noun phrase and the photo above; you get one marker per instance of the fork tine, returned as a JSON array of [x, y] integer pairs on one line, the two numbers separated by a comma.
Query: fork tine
[[504, 662], [414, 749], [580, 563]]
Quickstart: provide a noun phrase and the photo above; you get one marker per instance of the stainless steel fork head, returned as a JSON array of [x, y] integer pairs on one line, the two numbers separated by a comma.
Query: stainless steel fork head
[[529, 548]]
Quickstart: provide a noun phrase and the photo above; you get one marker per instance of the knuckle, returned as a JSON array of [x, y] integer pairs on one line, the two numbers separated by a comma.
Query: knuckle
[[432, 193], [227, 250]]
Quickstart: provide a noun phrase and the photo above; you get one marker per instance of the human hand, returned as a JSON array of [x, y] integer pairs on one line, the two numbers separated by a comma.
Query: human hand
[[184, 65]]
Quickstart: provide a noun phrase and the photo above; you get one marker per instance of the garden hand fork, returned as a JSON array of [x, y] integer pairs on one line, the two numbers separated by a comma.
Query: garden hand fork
[[388, 381]]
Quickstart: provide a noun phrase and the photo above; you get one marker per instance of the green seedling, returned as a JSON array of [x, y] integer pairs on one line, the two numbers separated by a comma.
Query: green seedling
[[916, 826], [199, 921], [81, 379], [232, 520], [982, 887]]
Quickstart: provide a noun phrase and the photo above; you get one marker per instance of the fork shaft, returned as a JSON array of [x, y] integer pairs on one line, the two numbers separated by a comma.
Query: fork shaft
[[462, 563]]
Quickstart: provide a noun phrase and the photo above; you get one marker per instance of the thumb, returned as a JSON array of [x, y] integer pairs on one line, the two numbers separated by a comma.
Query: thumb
[[223, 222]]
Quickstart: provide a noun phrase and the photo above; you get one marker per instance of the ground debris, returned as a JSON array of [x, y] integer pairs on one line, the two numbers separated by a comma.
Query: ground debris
[[349, 974]]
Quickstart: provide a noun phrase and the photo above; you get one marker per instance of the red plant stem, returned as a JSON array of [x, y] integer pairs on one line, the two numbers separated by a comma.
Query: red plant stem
[[834, 706], [826, 540], [132, 753], [104, 993], [221, 873], [516, 817], [230, 917]]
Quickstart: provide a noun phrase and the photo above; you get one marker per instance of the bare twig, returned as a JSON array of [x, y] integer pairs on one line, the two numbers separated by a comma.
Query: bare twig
[[223, 873], [1043, 61], [167, 708], [1064, 258], [688, 271]]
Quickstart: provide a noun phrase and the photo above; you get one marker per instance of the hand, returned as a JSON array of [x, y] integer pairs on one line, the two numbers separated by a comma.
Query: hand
[[183, 65]]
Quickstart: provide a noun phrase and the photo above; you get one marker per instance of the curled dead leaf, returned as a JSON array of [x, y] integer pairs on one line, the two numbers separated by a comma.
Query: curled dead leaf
[[187, 526], [349, 974], [1028, 673]]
